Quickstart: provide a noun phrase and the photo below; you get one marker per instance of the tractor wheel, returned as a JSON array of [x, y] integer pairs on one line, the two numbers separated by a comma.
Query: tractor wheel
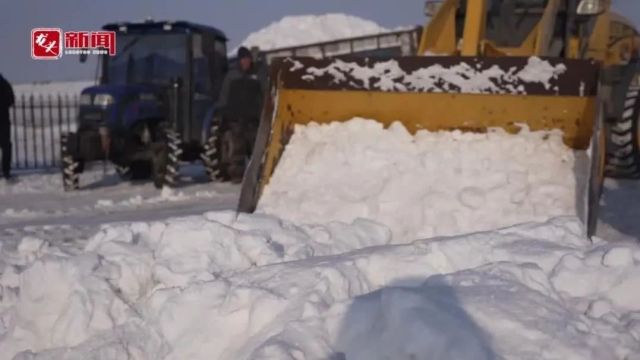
[[71, 167], [124, 172], [213, 155], [166, 160], [140, 170], [623, 148]]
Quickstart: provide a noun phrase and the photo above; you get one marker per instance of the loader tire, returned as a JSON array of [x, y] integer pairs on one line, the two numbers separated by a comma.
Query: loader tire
[[623, 148], [71, 167], [212, 154], [166, 160]]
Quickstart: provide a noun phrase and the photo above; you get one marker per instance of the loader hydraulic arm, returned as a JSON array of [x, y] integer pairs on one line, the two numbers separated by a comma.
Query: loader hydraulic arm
[[474, 27]]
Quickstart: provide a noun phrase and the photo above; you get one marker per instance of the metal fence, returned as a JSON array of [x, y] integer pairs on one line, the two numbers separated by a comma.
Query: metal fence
[[402, 42], [37, 122]]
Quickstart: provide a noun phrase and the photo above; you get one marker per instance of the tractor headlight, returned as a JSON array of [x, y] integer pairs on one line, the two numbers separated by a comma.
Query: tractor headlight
[[103, 100], [85, 99]]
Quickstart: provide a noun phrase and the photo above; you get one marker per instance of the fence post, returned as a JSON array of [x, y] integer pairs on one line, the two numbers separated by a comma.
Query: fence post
[[32, 112], [24, 131], [76, 111], [67, 105], [43, 145], [59, 126], [51, 137], [14, 144]]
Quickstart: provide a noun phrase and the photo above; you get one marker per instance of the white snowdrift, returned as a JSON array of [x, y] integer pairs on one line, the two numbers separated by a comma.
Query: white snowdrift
[[212, 287], [421, 186], [309, 29]]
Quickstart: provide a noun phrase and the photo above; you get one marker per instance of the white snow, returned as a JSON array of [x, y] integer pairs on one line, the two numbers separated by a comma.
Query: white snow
[[308, 29], [430, 184], [340, 283], [35, 203], [350, 262], [465, 78], [255, 287]]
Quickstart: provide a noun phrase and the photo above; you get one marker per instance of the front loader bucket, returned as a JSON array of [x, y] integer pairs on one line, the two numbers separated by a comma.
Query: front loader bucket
[[431, 93]]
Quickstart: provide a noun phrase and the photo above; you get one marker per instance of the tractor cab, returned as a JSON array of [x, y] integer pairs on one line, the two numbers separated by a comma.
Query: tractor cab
[[162, 73]]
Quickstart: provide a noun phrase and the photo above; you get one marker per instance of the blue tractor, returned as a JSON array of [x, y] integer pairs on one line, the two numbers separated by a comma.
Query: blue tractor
[[154, 105]]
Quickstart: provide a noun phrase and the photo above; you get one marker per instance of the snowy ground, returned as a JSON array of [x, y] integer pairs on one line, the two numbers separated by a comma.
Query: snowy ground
[[120, 270], [36, 205], [209, 286]]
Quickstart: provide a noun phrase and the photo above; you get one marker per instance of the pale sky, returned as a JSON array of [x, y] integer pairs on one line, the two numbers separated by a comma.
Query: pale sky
[[237, 18]]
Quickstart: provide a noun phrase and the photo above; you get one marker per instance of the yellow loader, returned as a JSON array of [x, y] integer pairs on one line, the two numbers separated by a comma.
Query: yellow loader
[[555, 64]]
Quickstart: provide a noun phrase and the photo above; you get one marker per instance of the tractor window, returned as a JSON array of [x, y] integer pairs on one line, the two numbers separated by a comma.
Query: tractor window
[[216, 52], [201, 74], [220, 47], [147, 58], [509, 22], [220, 64]]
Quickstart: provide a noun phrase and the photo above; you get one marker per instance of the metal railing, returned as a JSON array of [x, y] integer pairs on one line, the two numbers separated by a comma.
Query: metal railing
[[400, 42], [37, 123]]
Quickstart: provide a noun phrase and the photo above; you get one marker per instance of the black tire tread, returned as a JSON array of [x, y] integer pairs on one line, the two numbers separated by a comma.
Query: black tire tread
[[70, 166], [623, 145], [174, 147], [211, 154]]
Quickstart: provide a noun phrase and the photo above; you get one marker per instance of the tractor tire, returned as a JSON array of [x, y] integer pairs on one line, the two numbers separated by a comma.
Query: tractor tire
[[124, 172], [623, 148], [141, 170], [166, 160], [212, 155], [71, 167]]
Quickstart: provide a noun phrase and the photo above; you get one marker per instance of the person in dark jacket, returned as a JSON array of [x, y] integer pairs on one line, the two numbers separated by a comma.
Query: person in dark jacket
[[241, 93], [239, 104], [7, 100]]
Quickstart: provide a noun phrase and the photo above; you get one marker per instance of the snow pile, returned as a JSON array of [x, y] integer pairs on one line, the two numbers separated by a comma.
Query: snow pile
[[430, 184], [216, 287], [463, 77], [308, 29]]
